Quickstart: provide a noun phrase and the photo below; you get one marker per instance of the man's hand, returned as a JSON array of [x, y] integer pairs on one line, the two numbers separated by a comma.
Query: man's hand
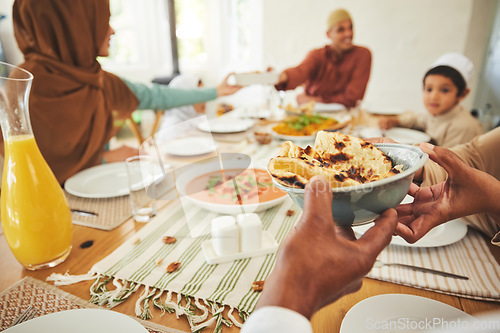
[[282, 81], [319, 262], [466, 191], [303, 99]]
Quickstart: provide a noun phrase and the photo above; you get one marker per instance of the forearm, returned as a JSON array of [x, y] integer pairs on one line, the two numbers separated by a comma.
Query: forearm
[[287, 291], [162, 97]]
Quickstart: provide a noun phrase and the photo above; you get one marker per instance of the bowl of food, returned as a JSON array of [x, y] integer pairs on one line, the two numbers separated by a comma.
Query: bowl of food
[[366, 179], [305, 126], [233, 189]]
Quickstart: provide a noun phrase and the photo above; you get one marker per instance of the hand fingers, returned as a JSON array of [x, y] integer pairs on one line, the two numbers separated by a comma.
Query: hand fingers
[[404, 210], [380, 235], [405, 232], [444, 157], [345, 232], [413, 189], [317, 201], [413, 231], [228, 75]]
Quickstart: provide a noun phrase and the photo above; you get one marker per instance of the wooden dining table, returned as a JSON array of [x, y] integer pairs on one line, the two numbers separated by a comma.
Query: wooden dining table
[[82, 258], [104, 242]]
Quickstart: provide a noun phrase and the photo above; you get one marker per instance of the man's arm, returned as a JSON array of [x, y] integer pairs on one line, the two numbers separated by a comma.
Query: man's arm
[[293, 77]]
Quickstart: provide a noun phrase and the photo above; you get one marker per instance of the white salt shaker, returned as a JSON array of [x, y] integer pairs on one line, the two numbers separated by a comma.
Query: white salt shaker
[[225, 236], [250, 232]]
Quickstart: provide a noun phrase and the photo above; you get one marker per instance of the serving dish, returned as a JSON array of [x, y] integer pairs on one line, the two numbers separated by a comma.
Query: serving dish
[[360, 204], [246, 79], [303, 128]]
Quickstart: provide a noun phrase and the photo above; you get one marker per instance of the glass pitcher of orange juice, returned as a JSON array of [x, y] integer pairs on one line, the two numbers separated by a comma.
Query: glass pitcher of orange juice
[[36, 219]]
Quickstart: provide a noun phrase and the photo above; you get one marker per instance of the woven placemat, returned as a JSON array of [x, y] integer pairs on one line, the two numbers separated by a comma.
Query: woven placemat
[[49, 299], [111, 212]]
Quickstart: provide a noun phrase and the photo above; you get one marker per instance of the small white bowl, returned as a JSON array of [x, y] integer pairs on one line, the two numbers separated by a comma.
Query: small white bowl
[[200, 169]]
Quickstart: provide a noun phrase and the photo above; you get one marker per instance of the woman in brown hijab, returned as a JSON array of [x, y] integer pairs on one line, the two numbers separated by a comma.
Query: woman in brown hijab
[[72, 99]]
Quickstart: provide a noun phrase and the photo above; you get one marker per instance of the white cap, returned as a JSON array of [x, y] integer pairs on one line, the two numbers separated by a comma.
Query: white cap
[[459, 62]]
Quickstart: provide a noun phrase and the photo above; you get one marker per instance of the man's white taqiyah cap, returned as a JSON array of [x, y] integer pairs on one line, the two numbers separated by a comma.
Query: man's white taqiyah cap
[[458, 62]]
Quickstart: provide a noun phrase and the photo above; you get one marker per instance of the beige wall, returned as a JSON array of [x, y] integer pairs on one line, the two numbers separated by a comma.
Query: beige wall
[[405, 37]]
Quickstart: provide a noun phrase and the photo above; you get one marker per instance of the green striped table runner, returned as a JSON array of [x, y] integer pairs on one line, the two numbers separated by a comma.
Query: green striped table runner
[[136, 262]]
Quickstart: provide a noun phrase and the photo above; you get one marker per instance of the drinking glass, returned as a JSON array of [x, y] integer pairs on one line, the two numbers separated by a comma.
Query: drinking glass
[[140, 171]]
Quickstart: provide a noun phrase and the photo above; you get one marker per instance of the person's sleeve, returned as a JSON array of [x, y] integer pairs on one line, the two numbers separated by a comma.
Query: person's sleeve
[[163, 97], [276, 319], [410, 119], [301, 73], [461, 132], [355, 89]]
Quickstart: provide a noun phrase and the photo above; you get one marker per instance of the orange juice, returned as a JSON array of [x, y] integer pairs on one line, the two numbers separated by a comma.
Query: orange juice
[[35, 215]]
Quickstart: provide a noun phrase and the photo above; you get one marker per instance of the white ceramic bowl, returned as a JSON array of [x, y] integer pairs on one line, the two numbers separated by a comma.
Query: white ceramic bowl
[[359, 204], [200, 169]]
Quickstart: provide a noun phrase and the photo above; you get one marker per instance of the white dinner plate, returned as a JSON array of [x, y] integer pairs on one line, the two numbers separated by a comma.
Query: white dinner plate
[[102, 181], [328, 107], [386, 111], [226, 125], [80, 321], [407, 135], [189, 146], [400, 313], [399, 134], [442, 235]]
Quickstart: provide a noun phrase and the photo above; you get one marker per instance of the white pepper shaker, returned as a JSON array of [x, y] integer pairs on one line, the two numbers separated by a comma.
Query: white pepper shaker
[[250, 227], [225, 235]]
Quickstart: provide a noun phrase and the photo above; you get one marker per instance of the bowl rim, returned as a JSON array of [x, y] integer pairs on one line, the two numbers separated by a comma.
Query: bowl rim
[[423, 157]]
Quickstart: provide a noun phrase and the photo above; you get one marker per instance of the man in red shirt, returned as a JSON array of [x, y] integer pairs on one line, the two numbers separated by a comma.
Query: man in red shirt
[[335, 73]]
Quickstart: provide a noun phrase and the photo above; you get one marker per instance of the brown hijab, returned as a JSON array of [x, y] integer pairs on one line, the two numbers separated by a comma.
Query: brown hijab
[[72, 99]]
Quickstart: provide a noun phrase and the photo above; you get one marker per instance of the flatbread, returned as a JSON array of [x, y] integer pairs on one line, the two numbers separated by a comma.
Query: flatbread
[[342, 159]]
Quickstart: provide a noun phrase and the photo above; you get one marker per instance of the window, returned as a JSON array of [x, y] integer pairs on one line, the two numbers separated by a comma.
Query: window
[[214, 38], [140, 48]]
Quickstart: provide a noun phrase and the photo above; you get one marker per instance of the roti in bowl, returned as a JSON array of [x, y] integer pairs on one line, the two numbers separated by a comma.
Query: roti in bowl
[[342, 159]]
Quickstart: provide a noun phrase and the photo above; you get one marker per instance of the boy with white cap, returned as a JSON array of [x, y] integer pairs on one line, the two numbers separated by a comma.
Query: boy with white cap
[[335, 73], [447, 122]]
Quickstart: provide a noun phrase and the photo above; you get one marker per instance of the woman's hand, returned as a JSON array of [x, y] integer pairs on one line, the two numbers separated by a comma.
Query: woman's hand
[[225, 88]]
